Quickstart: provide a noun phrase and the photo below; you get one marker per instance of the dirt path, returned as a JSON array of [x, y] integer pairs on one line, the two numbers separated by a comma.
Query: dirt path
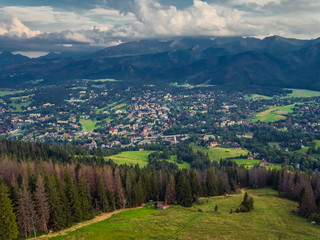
[[99, 218]]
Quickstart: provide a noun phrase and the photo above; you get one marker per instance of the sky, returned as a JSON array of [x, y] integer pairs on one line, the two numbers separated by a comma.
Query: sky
[[78, 25]]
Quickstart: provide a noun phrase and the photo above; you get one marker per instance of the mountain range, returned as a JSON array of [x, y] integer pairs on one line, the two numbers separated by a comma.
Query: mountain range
[[272, 61]]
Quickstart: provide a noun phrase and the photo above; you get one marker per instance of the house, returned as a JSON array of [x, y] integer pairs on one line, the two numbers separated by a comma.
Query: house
[[214, 144], [113, 131], [248, 135]]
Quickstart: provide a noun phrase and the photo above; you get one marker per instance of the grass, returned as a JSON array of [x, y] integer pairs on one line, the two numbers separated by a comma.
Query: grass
[[22, 97], [302, 150], [18, 106], [271, 219], [5, 93], [173, 159], [141, 158], [98, 86], [119, 106], [79, 88], [317, 143], [215, 154], [273, 114], [274, 143], [249, 163], [302, 93], [88, 124], [257, 97], [111, 106]]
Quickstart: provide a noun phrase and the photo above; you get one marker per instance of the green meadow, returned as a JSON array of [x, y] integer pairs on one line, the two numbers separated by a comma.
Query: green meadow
[[88, 124], [79, 88], [215, 154], [5, 93], [141, 158], [112, 106], [257, 97], [18, 106], [302, 93], [272, 218], [249, 163], [273, 114]]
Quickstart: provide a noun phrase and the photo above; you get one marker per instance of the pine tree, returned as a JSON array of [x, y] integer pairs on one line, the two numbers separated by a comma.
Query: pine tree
[[195, 187], [25, 211], [183, 190], [307, 204], [8, 224], [73, 200], [102, 195], [211, 182], [84, 197], [170, 196], [41, 205], [58, 218]]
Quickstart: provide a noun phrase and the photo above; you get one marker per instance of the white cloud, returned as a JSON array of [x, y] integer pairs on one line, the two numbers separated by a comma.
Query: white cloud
[[17, 28], [200, 19], [103, 26]]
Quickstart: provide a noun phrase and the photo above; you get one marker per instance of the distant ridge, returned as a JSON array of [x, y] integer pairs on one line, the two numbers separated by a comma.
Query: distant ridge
[[272, 61]]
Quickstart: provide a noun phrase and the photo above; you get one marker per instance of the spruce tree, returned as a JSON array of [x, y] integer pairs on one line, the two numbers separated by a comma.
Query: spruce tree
[[102, 195], [211, 182], [72, 195], [41, 205], [307, 204], [170, 196], [84, 196], [57, 214], [183, 191], [8, 224]]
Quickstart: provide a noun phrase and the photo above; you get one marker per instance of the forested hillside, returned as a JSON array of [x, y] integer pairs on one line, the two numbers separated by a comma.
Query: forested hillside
[[50, 189]]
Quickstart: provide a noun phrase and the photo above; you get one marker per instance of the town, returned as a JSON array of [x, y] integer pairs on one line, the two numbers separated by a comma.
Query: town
[[101, 114]]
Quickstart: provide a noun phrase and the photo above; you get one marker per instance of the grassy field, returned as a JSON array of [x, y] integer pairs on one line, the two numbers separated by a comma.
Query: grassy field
[[271, 219], [21, 97], [215, 154], [302, 93], [257, 97], [19, 106], [98, 86], [140, 157], [88, 124], [79, 88], [119, 106], [249, 163], [317, 143], [5, 93], [111, 106], [273, 114]]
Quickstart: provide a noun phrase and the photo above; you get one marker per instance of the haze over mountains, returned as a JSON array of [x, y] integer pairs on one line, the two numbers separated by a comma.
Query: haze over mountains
[[273, 61]]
